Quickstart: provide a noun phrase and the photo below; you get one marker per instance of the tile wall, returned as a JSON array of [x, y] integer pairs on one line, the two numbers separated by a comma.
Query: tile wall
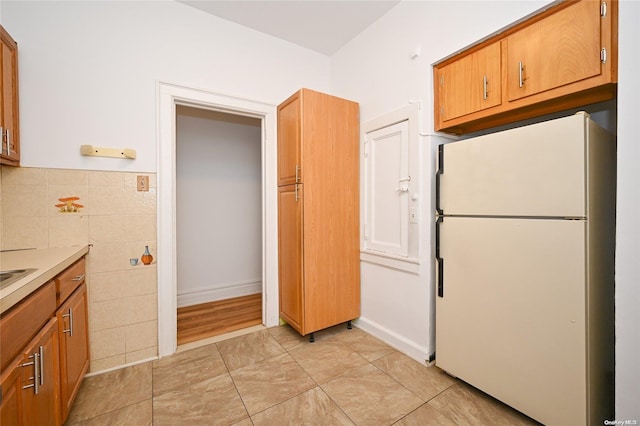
[[119, 222]]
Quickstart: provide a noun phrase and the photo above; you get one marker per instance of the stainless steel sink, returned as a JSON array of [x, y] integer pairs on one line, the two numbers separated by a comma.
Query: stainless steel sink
[[9, 277]]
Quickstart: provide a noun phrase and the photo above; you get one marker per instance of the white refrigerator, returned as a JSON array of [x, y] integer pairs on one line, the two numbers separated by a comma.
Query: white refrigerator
[[525, 241]]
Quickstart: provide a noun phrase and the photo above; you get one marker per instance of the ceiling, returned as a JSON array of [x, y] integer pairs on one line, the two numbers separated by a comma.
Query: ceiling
[[320, 25]]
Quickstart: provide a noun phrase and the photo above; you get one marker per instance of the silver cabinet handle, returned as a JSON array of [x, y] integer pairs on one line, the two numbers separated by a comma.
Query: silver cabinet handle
[[8, 141], [2, 141], [69, 315], [297, 173], [41, 352], [484, 88], [78, 277], [520, 68], [37, 366], [297, 196]]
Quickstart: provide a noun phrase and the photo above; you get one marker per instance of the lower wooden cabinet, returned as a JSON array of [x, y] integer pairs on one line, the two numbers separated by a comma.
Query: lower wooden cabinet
[[45, 352], [40, 373], [74, 346], [11, 394]]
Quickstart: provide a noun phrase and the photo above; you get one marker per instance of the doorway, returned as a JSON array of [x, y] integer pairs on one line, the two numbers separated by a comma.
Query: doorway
[[170, 97], [218, 222]]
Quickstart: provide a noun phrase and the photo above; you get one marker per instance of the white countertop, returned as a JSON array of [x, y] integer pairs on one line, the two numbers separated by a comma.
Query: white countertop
[[47, 262]]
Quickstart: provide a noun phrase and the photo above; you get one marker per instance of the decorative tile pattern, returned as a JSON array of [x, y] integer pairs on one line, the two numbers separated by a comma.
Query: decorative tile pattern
[[118, 221]]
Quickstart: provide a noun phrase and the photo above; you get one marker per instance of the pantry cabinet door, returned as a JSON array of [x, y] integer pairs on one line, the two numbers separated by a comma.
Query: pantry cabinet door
[[289, 141], [290, 250]]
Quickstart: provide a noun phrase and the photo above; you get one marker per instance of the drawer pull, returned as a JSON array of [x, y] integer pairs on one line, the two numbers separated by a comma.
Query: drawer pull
[[78, 278], [70, 316]]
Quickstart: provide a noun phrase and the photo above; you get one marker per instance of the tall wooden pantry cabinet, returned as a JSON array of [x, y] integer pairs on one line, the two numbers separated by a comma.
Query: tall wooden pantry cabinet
[[318, 211]]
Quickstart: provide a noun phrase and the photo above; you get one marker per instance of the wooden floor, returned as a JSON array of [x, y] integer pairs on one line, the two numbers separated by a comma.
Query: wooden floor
[[199, 322]]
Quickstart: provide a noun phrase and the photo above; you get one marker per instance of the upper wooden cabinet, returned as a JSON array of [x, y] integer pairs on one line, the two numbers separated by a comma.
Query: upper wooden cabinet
[[10, 153], [561, 58], [471, 84]]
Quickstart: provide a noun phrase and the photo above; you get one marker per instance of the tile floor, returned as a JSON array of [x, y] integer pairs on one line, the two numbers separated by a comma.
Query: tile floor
[[276, 377]]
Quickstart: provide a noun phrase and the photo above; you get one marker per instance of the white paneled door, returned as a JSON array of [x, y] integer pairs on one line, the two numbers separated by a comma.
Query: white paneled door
[[386, 153]]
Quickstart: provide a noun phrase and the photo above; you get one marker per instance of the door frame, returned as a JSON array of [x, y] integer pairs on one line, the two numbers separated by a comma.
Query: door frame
[[168, 96]]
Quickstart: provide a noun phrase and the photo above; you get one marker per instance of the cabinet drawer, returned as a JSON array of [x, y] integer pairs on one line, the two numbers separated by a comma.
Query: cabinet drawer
[[22, 322], [69, 280]]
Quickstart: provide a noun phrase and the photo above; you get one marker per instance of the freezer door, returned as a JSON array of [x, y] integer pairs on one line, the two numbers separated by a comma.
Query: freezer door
[[535, 170], [511, 319]]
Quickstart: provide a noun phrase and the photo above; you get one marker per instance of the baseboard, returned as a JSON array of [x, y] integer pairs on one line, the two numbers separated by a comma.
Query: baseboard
[[221, 292], [120, 367], [404, 345]]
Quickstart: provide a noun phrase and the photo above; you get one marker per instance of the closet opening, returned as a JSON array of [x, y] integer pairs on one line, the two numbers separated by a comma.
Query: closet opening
[[218, 223], [170, 99]]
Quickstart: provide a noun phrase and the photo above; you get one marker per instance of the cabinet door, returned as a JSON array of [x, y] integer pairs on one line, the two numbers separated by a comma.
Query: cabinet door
[[9, 103], [469, 84], [40, 375], [11, 394], [560, 49], [74, 346], [289, 140], [290, 248]]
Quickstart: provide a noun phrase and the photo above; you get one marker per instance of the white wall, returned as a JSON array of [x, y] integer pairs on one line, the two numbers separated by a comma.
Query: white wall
[[628, 212], [219, 205], [88, 73], [380, 58], [398, 306]]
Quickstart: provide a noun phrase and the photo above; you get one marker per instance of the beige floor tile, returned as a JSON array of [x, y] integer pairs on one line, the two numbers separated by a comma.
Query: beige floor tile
[[140, 414], [248, 349], [327, 359], [208, 402], [184, 368], [288, 337], [369, 347], [426, 382], [370, 397], [111, 391], [425, 416], [245, 422], [466, 405], [313, 407], [266, 383]]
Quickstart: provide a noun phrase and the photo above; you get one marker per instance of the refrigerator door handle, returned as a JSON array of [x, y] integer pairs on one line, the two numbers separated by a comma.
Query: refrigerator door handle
[[439, 173], [439, 260]]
